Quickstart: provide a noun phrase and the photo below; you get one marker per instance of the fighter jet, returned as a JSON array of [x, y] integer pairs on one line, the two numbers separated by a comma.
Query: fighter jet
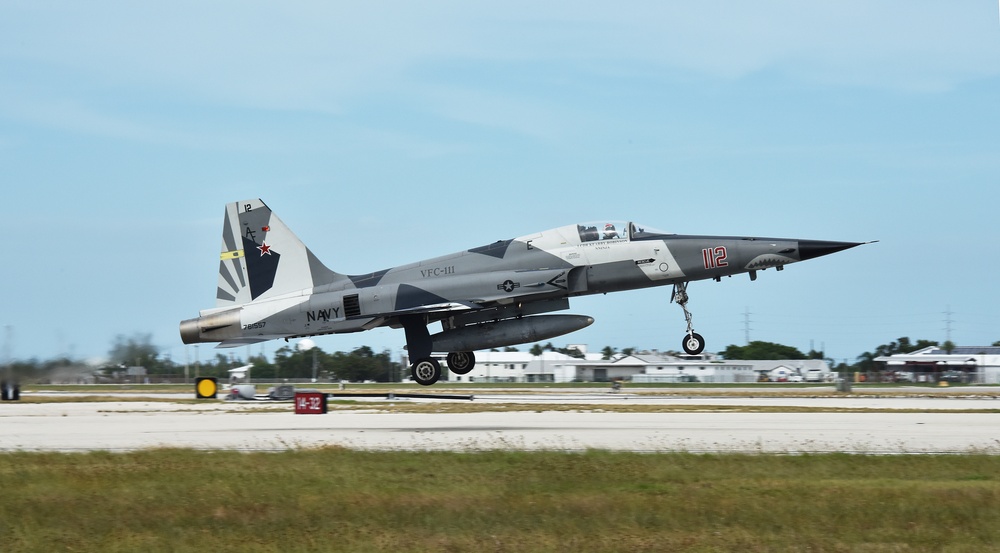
[[271, 285]]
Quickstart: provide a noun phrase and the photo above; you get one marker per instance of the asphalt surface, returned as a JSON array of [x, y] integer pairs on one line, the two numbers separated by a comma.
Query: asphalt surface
[[941, 425]]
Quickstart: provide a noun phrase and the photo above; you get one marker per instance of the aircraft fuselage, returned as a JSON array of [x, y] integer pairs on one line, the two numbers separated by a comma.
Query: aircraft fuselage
[[484, 297]]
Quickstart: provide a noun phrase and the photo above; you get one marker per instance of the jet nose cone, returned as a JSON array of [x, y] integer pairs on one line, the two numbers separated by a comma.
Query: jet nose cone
[[809, 249]]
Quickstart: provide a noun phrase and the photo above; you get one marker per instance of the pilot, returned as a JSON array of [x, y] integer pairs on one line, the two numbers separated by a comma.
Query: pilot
[[609, 232]]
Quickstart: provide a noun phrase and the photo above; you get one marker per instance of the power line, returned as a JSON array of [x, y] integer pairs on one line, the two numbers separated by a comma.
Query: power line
[[947, 323]]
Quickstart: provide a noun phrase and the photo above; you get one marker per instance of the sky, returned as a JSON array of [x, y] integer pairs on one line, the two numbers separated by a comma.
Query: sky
[[383, 133]]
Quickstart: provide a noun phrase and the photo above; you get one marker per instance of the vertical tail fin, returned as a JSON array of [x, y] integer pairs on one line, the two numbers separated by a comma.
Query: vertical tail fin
[[262, 258]]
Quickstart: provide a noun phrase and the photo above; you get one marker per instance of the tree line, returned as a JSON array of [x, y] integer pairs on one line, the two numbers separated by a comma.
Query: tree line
[[364, 364], [129, 352]]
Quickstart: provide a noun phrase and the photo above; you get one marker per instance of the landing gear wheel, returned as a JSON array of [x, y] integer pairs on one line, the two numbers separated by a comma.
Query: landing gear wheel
[[461, 362], [426, 371], [693, 344]]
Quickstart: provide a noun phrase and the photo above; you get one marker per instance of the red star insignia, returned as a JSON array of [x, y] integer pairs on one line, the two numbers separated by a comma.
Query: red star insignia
[[264, 248]]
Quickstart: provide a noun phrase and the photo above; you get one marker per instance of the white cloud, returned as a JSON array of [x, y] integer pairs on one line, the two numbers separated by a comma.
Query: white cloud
[[317, 55]]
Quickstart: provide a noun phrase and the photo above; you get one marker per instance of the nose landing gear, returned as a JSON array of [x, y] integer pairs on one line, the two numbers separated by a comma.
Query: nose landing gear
[[693, 343]]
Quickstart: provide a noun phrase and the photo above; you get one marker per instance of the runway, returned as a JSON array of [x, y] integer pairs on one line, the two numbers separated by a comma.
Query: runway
[[942, 425]]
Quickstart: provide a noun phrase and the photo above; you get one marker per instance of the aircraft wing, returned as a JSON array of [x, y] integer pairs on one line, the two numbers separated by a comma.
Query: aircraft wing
[[507, 287], [479, 291], [421, 309], [444, 297]]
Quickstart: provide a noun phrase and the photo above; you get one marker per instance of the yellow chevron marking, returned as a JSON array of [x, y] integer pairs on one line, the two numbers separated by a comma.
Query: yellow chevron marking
[[231, 255]]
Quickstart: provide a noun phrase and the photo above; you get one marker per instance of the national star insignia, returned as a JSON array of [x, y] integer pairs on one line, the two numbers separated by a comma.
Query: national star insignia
[[508, 286]]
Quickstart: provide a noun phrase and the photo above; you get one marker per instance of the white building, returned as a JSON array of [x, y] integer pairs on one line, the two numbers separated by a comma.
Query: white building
[[710, 369], [979, 364], [639, 368]]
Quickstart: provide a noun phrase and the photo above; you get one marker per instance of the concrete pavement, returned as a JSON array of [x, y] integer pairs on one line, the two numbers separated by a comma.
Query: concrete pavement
[[940, 427]]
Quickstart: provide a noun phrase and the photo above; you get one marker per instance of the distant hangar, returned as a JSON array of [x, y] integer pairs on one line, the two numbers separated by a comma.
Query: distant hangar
[[976, 364], [646, 367]]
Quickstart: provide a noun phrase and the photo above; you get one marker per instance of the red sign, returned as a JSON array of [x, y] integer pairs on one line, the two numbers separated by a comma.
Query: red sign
[[310, 403]]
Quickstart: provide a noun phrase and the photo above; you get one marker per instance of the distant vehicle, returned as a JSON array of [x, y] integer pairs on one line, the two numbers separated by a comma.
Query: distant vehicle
[[281, 392], [953, 376], [814, 375], [271, 286], [795, 378], [688, 378]]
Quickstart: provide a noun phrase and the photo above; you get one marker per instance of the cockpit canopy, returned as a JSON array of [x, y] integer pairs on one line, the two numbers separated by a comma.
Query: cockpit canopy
[[615, 230]]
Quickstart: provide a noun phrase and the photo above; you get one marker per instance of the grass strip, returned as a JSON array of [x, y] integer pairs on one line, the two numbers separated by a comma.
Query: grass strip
[[335, 499]]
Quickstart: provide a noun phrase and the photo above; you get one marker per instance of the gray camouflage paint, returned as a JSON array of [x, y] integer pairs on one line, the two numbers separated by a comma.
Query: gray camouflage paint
[[272, 286]]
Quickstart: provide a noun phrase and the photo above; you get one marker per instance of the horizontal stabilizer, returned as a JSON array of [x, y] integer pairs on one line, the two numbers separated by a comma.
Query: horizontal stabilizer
[[250, 340]]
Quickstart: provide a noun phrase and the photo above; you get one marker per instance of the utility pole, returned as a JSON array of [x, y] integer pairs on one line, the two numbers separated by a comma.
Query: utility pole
[[746, 325], [7, 341]]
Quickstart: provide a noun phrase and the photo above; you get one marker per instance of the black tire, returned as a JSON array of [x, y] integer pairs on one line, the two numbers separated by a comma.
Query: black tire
[[461, 362], [426, 371], [693, 344]]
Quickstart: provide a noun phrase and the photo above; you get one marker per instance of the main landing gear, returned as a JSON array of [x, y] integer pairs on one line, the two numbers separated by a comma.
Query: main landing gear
[[461, 362], [693, 343], [427, 371]]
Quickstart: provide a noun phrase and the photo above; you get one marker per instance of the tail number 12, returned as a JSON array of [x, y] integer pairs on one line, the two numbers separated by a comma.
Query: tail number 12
[[714, 257]]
